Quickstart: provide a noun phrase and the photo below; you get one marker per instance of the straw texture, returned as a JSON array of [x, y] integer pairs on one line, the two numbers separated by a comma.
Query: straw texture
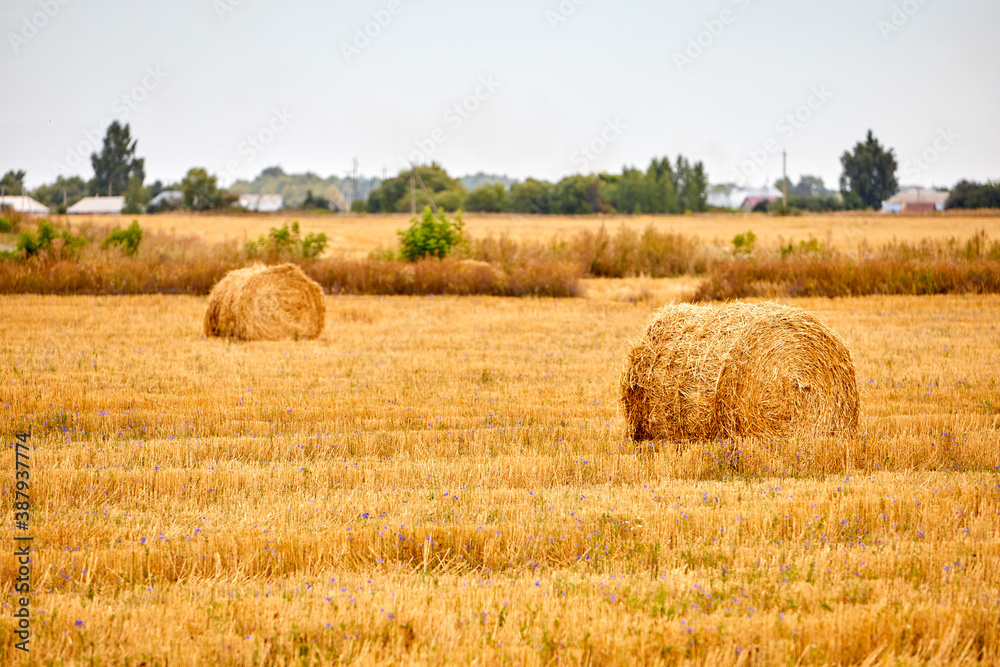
[[266, 303], [739, 370]]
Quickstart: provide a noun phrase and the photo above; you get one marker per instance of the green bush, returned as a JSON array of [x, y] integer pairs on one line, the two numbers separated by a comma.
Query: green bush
[[744, 243], [6, 226], [313, 245], [430, 236], [32, 244], [812, 246], [287, 243], [127, 239]]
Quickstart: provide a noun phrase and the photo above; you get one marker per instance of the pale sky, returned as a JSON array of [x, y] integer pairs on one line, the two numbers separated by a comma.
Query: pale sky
[[544, 88]]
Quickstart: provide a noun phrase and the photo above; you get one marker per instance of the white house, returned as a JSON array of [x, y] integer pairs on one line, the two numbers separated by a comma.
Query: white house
[[915, 199], [97, 206], [262, 203], [23, 204]]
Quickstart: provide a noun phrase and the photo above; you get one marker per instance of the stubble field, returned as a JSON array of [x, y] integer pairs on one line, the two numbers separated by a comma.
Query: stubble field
[[446, 479], [355, 235]]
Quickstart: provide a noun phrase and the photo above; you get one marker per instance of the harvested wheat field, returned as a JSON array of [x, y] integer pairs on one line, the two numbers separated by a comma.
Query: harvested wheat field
[[360, 234], [266, 303], [738, 370], [448, 480]]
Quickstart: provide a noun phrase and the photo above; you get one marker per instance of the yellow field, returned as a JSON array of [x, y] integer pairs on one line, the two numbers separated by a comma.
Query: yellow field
[[445, 479], [360, 234]]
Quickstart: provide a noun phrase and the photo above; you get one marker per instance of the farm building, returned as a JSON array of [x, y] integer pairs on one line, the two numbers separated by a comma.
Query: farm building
[[262, 203], [23, 204], [915, 200], [743, 199], [167, 198], [97, 206]]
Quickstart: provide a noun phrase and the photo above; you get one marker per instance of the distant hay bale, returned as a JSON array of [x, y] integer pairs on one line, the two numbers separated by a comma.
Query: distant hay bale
[[266, 303], [739, 370]]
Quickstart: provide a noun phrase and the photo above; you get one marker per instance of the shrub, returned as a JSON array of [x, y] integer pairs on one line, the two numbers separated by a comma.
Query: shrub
[[812, 246], [313, 245], [430, 236], [42, 240], [284, 243], [743, 244], [6, 226], [127, 239]]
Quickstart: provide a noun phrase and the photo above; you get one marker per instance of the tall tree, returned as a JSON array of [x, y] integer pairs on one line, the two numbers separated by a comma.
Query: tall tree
[[869, 173], [116, 165], [630, 195], [695, 195], [13, 182], [201, 190]]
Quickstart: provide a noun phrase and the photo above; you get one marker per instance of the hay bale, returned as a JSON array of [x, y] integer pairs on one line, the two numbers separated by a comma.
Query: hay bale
[[266, 303], [739, 370]]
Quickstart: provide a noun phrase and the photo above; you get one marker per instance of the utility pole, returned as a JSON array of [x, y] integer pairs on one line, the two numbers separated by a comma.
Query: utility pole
[[784, 179]]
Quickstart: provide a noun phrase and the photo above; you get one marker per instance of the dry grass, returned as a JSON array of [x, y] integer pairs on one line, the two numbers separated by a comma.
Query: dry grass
[[739, 370], [446, 479], [266, 303], [356, 235]]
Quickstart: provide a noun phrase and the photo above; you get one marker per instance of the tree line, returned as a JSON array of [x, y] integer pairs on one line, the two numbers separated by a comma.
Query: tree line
[[665, 186]]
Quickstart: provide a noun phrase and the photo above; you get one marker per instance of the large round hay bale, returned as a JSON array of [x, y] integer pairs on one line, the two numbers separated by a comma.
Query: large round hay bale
[[266, 303], [739, 370]]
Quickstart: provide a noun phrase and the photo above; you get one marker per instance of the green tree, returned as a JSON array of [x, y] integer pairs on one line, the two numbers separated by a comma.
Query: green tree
[[969, 194], [869, 173], [116, 165], [661, 193], [575, 195], [64, 192], [532, 196], [136, 197], [312, 202], [488, 198], [393, 195], [631, 194], [201, 191], [13, 182]]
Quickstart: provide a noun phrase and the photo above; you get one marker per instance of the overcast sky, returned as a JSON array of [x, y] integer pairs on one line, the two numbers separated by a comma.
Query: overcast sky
[[543, 88]]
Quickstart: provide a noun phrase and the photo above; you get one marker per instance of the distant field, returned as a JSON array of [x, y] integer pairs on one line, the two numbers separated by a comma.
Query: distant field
[[445, 480], [360, 234]]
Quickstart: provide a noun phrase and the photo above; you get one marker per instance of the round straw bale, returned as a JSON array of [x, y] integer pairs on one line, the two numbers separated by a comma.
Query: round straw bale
[[739, 370], [266, 303]]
